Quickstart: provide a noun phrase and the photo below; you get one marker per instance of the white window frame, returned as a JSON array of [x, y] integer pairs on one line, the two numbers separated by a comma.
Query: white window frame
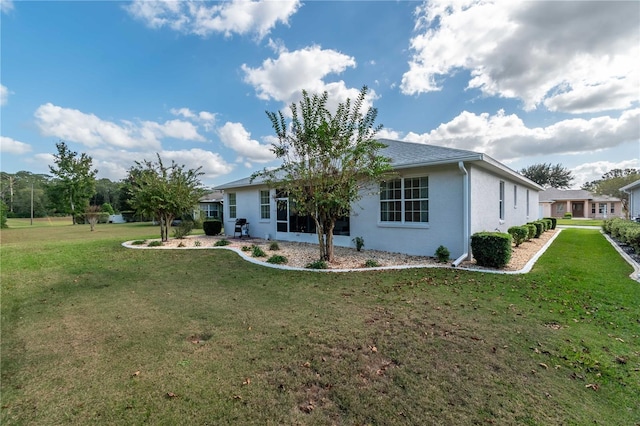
[[528, 203], [400, 216], [501, 199], [233, 205], [515, 196], [265, 207]]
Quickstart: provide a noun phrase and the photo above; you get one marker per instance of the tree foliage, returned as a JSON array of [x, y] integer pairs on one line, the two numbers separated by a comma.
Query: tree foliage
[[164, 192], [75, 179], [611, 182], [328, 158], [548, 176], [16, 190]]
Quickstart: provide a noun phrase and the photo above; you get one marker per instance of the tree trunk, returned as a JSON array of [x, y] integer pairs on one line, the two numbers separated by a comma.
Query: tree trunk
[[73, 210], [320, 235], [329, 240]]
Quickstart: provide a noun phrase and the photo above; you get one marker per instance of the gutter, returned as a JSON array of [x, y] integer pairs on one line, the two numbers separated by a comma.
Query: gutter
[[465, 213]]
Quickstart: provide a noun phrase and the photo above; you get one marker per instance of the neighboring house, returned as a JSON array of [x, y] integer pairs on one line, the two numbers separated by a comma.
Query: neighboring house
[[440, 196], [580, 203], [633, 189], [211, 205]]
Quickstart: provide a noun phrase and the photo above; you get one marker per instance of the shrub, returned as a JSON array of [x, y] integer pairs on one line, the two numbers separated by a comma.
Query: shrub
[[539, 228], [212, 227], [156, 243], [246, 248], [492, 249], [107, 208], [277, 259], [197, 243], [371, 263], [183, 229], [3, 215], [359, 242], [532, 231], [256, 251], [547, 223], [273, 245], [442, 254], [318, 264], [567, 216], [519, 234], [138, 242], [222, 243], [554, 222]]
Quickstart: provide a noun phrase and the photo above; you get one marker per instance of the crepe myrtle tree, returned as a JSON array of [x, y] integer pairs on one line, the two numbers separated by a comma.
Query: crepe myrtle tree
[[327, 159], [164, 192]]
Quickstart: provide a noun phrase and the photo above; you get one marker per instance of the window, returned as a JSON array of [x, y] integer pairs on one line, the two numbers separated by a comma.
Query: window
[[501, 200], [211, 210], [515, 196], [602, 208], [593, 208], [405, 200], [265, 205], [613, 209], [527, 202], [232, 205]]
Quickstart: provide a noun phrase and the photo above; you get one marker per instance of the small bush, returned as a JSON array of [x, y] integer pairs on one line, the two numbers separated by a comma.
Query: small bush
[[222, 243], [197, 243], [359, 242], [212, 227], [567, 216], [246, 248], [182, 230], [554, 222], [547, 224], [371, 263], [156, 243], [107, 208], [532, 231], [539, 228], [492, 249], [3, 215], [277, 259], [519, 234], [138, 242], [442, 254], [318, 264], [256, 251], [273, 245]]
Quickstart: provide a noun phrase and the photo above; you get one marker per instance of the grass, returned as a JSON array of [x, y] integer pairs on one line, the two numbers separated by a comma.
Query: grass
[[580, 222], [96, 333]]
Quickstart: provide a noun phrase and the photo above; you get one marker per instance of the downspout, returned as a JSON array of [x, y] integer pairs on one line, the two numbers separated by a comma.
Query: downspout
[[465, 215]]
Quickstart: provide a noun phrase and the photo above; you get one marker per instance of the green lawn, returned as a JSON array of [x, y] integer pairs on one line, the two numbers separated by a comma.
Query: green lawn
[[93, 333], [580, 222]]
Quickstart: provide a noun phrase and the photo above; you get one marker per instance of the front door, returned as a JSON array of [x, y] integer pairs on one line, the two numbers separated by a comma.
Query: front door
[[282, 215], [577, 209]]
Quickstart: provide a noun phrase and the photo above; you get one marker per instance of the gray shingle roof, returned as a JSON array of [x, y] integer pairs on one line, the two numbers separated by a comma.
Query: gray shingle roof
[[554, 194]]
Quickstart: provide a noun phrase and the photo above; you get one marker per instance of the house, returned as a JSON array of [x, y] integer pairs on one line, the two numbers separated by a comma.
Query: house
[[633, 189], [440, 196], [211, 205], [580, 203]]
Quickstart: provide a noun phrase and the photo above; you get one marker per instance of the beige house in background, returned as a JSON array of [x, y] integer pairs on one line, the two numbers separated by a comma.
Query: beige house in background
[[580, 203]]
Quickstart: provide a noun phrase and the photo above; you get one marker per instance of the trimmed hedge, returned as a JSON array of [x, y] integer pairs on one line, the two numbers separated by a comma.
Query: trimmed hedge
[[492, 249], [554, 222], [626, 231], [212, 227], [532, 230], [539, 228], [519, 234]]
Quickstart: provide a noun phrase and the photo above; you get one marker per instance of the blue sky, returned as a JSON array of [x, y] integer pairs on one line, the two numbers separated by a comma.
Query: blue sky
[[524, 82]]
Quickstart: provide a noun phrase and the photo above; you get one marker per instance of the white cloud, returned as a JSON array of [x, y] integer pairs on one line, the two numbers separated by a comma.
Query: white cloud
[[568, 56], [12, 146], [6, 6], [284, 78], [206, 118], [234, 136], [258, 17], [92, 131], [506, 137], [213, 165], [588, 172], [4, 95]]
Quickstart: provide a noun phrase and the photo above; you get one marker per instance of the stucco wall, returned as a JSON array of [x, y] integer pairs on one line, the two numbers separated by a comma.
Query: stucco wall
[[634, 203], [485, 207], [248, 207]]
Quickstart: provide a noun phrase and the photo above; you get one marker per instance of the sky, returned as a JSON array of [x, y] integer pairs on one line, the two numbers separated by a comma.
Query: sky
[[525, 82]]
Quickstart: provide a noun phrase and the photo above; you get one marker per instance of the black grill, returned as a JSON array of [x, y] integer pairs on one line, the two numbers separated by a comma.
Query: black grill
[[241, 228]]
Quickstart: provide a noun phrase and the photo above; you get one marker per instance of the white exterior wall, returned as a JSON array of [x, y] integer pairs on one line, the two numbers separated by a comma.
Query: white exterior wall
[[634, 203], [248, 207], [485, 202]]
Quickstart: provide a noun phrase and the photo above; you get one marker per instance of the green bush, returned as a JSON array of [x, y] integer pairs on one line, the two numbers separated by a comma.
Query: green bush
[[567, 216], [442, 254], [519, 234], [554, 222], [539, 228], [359, 242], [632, 237], [222, 243], [277, 259], [371, 263], [318, 264], [212, 227], [256, 251], [246, 248], [532, 231], [107, 208], [492, 249], [547, 223], [3, 215], [184, 229], [156, 243], [273, 245], [138, 242]]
